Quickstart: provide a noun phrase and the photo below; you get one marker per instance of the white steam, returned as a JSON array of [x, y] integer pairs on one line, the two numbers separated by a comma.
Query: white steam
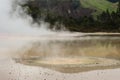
[[11, 22]]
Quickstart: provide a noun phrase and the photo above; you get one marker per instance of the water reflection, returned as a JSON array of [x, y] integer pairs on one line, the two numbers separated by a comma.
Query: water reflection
[[74, 54], [106, 47]]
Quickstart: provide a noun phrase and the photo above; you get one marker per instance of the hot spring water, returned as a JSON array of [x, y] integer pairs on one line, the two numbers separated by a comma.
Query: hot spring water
[[73, 53]]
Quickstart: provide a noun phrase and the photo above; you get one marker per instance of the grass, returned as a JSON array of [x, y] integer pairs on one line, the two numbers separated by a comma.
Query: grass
[[99, 5]]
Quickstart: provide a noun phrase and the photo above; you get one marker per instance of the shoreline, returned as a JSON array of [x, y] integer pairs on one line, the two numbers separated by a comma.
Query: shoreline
[[15, 71], [58, 34], [76, 67]]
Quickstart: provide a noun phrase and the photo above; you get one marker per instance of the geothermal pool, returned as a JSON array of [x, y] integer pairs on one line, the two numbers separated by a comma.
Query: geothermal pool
[[58, 54], [71, 54], [67, 53]]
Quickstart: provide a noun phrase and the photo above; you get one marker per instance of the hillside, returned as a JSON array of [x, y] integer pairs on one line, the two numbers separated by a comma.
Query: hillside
[[64, 8], [77, 15], [72, 8], [99, 5]]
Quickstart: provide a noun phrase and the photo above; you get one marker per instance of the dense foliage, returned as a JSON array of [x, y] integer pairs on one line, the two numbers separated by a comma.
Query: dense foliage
[[113, 0], [105, 22]]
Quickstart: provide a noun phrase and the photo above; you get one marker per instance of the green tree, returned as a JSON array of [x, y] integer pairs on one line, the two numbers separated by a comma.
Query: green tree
[[118, 9]]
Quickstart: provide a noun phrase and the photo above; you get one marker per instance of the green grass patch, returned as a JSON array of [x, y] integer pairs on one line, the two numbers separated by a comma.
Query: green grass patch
[[99, 5]]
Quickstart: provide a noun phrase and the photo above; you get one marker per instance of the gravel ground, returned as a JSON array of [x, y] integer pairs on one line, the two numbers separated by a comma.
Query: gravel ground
[[10, 70]]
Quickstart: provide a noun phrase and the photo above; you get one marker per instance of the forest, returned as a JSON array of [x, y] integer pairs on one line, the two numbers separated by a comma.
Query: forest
[[104, 22]]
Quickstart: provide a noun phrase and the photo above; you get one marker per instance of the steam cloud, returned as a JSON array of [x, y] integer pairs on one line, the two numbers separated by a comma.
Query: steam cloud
[[13, 20]]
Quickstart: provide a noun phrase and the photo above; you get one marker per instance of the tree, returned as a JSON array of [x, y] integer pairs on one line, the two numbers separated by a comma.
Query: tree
[[118, 9]]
